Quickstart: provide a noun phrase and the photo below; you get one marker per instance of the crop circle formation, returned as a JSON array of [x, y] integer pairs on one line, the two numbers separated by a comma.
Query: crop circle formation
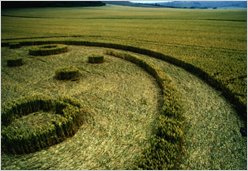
[[95, 59], [45, 50], [33, 123], [14, 45], [167, 144], [14, 62], [67, 73]]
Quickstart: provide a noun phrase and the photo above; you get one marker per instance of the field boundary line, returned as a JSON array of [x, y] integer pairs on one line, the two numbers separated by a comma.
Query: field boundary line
[[122, 18], [136, 40]]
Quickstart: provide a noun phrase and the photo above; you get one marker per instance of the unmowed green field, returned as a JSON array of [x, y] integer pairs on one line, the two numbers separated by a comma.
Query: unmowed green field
[[125, 102], [213, 40]]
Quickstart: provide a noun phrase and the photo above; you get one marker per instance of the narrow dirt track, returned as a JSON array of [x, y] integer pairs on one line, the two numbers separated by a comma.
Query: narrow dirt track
[[212, 128]]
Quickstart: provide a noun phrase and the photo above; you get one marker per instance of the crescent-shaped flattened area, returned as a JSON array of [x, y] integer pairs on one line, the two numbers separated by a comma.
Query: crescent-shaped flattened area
[[122, 99]]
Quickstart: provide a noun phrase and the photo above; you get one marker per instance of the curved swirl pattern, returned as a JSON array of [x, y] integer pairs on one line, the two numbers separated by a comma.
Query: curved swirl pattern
[[239, 105], [170, 134]]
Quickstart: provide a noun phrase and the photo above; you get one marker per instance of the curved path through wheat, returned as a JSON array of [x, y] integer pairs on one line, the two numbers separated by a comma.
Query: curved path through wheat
[[212, 132]]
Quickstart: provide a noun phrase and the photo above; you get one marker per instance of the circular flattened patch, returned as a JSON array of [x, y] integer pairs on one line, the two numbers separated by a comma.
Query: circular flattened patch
[[14, 62], [96, 59], [67, 73], [45, 50], [33, 123]]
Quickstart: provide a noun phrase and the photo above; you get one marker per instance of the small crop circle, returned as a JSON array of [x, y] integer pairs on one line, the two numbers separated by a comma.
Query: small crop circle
[[14, 45], [45, 50], [67, 73], [33, 123], [14, 62], [95, 59]]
